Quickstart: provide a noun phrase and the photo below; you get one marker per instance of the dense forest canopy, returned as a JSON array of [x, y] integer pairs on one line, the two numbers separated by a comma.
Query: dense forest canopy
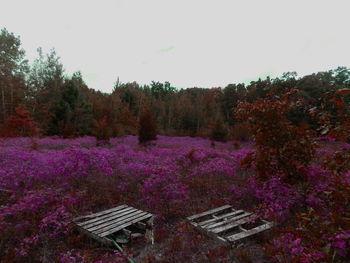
[[64, 105]]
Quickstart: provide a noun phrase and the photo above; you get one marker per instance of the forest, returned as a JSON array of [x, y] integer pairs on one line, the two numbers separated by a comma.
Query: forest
[[278, 147], [65, 106]]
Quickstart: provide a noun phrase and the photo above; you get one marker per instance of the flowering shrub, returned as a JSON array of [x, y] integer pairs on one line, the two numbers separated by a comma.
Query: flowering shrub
[[163, 189], [41, 190], [277, 199], [288, 248]]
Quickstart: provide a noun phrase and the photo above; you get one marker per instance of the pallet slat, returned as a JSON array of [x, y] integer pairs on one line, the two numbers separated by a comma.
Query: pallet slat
[[112, 216], [224, 222], [117, 221], [250, 232], [99, 213], [209, 212], [125, 225], [203, 223], [228, 227]]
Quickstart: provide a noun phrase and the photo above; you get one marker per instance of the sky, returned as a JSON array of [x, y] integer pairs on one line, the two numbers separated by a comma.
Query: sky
[[189, 43]]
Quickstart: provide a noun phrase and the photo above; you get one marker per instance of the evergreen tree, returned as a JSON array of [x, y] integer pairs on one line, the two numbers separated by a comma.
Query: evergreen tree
[[72, 112]]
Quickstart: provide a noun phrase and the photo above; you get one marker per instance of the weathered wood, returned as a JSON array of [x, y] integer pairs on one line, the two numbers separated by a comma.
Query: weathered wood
[[224, 222], [112, 216], [99, 213], [242, 228], [217, 218], [228, 227], [209, 212], [116, 222], [119, 223], [211, 234], [104, 241], [124, 225], [102, 224], [250, 232]]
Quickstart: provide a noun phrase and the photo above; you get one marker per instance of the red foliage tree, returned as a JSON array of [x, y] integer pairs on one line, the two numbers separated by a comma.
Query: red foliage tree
[[20, 124], [101, 131], [282, 148], [336, 120]]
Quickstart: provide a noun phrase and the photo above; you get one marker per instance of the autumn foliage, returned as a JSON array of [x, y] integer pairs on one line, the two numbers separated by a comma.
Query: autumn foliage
[[19, 124], [147, 127], [101, 131], [281, 147], [319, 196]]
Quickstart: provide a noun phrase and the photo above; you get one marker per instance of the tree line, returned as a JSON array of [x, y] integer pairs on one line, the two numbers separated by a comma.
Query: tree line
[[42, 95]]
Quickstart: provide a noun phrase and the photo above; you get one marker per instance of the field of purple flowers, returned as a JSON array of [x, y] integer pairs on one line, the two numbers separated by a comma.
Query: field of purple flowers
[[43, 187]]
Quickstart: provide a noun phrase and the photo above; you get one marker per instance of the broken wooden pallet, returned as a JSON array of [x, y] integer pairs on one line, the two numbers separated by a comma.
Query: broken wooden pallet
[[121, 219], [229, 225]]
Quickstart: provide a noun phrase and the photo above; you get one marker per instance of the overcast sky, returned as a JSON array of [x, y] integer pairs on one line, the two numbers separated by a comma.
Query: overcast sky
[[188, 43]]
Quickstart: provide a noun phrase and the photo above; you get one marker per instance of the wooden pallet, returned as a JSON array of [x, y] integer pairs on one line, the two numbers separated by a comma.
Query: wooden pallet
[[121, 219], [229, 225]]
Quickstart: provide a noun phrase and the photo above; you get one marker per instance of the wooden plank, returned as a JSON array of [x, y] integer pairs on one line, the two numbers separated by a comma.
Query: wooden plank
[[242, 228], [250, 232], [208, 233], [119, 222], [220, 217], [116, 221], [112, 220], [229, 226], [95, 219], [221, 208], [99, 213], [102, 240], [111, 216], [103, 234], [224, 222]]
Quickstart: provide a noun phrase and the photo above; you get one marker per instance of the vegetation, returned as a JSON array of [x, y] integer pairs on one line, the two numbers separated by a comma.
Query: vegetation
[[148, 127], [55, 100], [292, 168]]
